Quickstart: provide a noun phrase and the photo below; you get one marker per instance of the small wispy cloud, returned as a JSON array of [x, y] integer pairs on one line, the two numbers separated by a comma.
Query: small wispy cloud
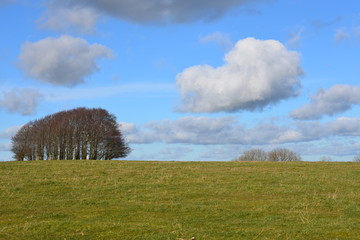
[[295, 38], [319, 24], [5, 146], [223, 40], [341, 35], [357, 33], [10, 132]]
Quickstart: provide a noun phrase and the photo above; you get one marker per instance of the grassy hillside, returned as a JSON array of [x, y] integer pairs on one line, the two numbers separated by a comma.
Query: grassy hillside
[[172, 200]]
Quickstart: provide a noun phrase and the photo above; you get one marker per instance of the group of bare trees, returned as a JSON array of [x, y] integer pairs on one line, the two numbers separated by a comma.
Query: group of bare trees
[[75, 134], [277, 155]]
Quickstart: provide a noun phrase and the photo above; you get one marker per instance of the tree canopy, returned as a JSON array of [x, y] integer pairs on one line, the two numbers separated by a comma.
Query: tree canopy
[[76, 134]]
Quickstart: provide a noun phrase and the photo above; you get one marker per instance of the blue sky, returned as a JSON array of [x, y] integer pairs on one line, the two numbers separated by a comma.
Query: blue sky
[[199, 80]]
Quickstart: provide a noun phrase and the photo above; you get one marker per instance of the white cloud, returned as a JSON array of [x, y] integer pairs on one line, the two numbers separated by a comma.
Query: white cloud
[[226, 130], [221, 153], [357, 33], [63, 61], [227, 138], [341, 35], [289, 136], [74, 18], [184, 130], [5, 146], [342, 147], [315, 130], [295, 38], [319, 24], [345, 126], [255, 74], [10, 132], [23, 101], [200, 130], [223, 40], [337, 99], [174, 153], [62, 13]]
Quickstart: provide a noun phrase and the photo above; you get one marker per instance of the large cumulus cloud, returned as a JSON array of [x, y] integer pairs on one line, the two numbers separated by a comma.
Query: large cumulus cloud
[[168, 11], [138, 11], [255, 74], [337, 99], [63, 61]]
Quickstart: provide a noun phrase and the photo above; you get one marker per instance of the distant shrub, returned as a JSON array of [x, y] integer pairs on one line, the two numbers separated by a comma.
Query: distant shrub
[[356, 158], [253, 155], [277, 155], [283, 155]]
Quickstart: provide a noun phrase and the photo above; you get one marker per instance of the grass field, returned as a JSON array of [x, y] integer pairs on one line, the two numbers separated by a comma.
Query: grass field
[[172, 200]]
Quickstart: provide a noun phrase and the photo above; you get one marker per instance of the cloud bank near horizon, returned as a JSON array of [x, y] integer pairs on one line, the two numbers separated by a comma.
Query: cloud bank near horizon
[[227, 131]]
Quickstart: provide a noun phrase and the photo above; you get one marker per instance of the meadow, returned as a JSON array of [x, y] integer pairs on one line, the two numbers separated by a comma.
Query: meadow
[[179, 200]]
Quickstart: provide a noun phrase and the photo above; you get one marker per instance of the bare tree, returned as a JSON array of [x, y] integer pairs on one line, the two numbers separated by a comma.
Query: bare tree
[[21, 143], [283, 155], [253, 155], [356, 158], [75, 134]]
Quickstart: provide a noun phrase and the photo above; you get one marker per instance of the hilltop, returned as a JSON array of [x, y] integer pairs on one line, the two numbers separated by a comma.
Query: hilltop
[[173, 200]]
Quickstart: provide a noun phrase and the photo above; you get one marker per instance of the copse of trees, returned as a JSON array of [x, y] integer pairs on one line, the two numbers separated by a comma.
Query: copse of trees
[[76, 134], [277, 155]]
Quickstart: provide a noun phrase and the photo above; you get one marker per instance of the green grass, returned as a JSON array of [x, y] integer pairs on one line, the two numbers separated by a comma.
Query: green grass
[[171, 200]]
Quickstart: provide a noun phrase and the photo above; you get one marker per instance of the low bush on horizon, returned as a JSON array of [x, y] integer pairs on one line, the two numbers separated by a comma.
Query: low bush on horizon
[[179, 200], [276, 155]]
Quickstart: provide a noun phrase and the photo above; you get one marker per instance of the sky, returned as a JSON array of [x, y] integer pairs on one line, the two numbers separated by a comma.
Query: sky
[[189, 80]]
